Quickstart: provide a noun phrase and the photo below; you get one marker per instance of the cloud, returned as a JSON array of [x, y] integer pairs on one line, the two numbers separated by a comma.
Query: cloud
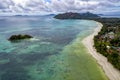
[[55, 6], [4, 4], [114, 1]]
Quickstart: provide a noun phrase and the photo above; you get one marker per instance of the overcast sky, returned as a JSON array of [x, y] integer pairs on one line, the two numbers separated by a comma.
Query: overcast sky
[[56, 6]]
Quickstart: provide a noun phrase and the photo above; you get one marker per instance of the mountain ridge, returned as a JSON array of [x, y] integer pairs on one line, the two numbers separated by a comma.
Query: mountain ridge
[[72, 15]]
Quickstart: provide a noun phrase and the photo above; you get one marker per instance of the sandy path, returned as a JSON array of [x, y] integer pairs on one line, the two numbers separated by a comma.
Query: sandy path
[[110, 71]]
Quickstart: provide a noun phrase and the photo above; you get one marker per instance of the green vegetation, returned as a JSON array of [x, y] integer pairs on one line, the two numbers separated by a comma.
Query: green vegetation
[[107, 42], [19, 37]]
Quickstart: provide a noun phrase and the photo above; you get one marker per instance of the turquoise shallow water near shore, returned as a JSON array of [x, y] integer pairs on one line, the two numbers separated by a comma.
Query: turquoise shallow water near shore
[[55, 53]]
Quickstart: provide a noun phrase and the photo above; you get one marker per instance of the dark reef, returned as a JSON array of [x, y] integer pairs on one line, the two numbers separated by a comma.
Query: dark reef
[[19, 37]]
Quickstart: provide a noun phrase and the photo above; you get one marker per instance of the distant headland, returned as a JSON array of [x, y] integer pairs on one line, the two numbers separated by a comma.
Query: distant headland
[[71, 15]]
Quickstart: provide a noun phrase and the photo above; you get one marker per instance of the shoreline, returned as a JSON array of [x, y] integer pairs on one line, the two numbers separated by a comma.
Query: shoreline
[[111, 72]]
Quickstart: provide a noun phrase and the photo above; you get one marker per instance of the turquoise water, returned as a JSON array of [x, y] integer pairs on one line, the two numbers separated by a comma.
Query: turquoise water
[[55, 52]]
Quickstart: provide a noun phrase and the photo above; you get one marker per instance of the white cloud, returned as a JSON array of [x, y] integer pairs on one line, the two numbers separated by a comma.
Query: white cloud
[[40, 6]]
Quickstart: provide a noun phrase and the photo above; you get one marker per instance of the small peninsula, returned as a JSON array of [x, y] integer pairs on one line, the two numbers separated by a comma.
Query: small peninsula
[[19, 37]]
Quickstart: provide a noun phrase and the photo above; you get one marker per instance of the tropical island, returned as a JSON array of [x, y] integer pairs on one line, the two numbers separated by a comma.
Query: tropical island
[[71, 15], [19, 37], [106, 42]]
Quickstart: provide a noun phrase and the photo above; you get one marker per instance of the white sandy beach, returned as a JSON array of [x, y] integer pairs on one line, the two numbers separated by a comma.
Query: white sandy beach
[[110, 71]]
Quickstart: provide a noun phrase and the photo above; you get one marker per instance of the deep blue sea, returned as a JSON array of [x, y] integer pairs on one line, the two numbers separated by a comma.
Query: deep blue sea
[[55, 52]]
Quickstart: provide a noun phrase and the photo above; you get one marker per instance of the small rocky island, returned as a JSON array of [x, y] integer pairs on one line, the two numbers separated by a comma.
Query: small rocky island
[[19, 37], [71, 15]]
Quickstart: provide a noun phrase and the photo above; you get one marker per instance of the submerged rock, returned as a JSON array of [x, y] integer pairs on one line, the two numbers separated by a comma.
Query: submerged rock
[[19, 37]]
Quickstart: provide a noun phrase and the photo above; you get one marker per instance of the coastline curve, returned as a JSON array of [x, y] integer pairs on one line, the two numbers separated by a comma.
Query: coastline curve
[[111, 72]]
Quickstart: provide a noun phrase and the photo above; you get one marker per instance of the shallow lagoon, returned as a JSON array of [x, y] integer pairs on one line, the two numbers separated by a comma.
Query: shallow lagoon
[[55, 53]]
